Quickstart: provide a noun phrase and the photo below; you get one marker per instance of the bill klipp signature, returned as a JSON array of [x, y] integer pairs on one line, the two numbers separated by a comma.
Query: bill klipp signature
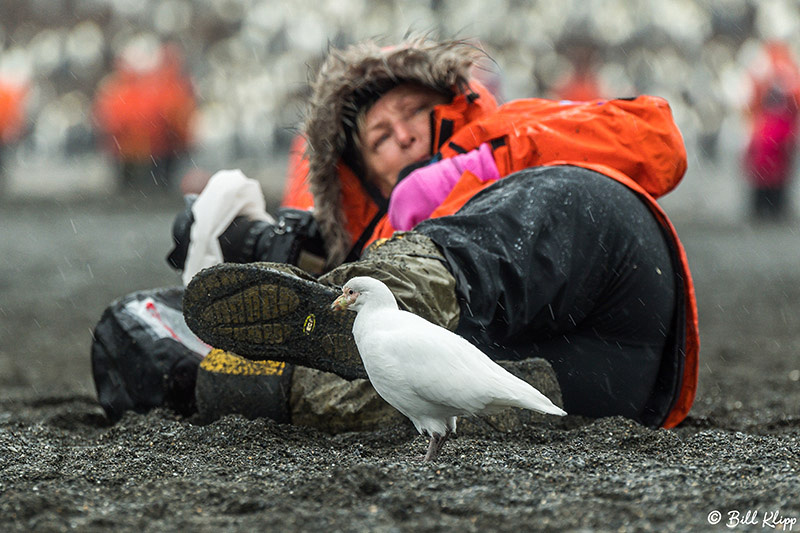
[[753, 517]]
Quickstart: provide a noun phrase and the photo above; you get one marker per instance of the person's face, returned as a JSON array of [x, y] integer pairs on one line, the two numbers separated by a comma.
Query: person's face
[[397, 132]]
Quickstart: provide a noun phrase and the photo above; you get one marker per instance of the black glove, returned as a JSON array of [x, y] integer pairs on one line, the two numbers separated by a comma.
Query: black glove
[[293, 238]]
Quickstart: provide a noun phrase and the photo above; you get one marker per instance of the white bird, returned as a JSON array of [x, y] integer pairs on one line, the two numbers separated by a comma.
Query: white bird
[[426, 372]]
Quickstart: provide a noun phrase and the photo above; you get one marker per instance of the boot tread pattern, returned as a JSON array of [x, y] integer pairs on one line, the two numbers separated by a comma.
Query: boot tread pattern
[[264, 314]]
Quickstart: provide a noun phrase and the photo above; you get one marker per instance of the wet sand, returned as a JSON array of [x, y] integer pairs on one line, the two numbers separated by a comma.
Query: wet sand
[[64, 467]]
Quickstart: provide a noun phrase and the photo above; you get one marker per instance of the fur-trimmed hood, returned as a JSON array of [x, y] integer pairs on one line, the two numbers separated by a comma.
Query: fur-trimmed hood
[[347, 79]]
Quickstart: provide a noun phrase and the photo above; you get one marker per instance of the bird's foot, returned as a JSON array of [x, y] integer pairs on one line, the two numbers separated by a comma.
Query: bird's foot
[[435, 445]]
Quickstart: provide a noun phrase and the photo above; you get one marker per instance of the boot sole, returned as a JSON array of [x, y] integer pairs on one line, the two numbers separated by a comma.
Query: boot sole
[[260, 314]]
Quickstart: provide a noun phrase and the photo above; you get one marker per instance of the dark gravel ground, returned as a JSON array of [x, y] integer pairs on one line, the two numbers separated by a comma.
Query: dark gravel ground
[[63, 467]]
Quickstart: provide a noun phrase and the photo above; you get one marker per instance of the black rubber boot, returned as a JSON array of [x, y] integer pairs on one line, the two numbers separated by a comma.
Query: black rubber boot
[[268, 311]]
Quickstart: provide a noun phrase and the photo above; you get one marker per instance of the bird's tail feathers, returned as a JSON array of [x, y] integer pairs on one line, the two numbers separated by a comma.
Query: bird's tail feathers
[[526, 396], [542, 404]]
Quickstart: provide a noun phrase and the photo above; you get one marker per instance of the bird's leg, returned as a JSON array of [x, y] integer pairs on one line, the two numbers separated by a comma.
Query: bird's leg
[[435, 445]]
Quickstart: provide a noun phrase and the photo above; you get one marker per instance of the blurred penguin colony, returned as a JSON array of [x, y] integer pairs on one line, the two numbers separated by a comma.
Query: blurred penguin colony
[[149, 83]]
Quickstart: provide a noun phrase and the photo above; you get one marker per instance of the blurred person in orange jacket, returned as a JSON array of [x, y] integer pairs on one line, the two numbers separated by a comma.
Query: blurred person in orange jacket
[[144, 112], [582, 83], [530, 229], [12, 115]]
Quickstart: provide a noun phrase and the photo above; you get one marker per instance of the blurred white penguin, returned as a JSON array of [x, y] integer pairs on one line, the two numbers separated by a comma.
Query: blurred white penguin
[[426, 372]]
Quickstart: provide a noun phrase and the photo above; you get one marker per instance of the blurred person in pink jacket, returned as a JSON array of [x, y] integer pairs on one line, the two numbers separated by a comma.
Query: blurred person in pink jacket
[[773, 111]]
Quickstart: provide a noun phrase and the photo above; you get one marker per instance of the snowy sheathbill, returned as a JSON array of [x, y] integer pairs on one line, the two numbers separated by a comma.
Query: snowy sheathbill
[[426, 372]]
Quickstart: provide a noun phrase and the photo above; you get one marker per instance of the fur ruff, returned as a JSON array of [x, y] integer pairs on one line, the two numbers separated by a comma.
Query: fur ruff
[[347, 75]]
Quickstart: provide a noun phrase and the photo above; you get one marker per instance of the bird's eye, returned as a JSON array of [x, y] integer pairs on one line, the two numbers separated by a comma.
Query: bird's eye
[[350, 291]]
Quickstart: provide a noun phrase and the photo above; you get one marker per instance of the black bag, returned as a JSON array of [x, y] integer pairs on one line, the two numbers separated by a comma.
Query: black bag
[[144, 356]]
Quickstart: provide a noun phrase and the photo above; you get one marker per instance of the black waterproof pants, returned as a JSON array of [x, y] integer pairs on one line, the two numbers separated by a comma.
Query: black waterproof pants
[[569, 265]]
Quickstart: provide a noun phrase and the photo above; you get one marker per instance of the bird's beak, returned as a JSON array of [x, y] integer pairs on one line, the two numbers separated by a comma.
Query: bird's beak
[[340, 304]]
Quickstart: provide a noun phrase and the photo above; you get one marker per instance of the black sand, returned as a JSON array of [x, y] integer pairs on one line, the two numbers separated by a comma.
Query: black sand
[[64, 468]]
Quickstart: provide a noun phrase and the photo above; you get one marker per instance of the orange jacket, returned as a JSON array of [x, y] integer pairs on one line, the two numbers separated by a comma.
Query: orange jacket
[[146, 114], [12, 111], [633, 141], [635, 137]]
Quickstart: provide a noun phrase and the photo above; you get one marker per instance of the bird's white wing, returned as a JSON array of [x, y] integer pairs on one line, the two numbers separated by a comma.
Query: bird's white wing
[[440, 367]]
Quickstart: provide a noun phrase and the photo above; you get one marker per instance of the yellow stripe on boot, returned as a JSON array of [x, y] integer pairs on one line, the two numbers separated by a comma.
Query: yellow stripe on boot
[[223, 362], [229, 384]]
